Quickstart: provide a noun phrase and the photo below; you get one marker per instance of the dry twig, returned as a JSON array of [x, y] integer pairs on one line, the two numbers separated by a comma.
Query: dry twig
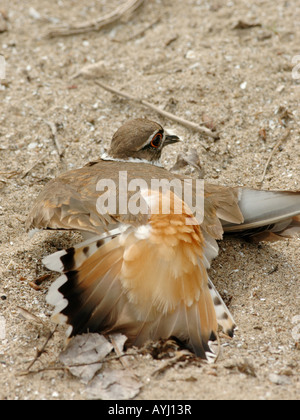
[[118, 352], [139, 33], [27, 172], [64, 367], [53, 129], [219, 349], [40, 352], [277, 145], [123, 360], [185, 123], [179, 356], [127, 8], [36, 283], [10, 174]]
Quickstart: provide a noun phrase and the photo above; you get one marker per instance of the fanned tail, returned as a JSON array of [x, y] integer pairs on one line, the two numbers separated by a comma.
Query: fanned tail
[[87, 296], [224, 317], [148, 282]]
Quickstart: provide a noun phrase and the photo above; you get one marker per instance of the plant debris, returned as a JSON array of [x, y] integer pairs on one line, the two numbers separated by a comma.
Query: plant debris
[[114, 385], [85, 354]]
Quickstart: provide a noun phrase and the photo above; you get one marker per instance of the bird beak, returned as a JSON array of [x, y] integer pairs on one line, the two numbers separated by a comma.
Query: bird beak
[[171, 139]]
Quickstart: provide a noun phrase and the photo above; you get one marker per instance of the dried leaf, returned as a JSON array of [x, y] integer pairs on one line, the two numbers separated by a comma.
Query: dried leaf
[[38, 281], [284, 115], [84, 355], [243, 366], [119, 340], [180, 163], [209, 122], [245, 25], [114, 385], [191, 159], [3, 22], [246, 367], [93, 71], [29, 316], [263, 134], [194, 160], [34, 286], [279, 379]]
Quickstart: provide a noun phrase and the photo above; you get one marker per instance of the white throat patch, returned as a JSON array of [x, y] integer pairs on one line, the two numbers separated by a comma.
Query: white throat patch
[[105, 156]]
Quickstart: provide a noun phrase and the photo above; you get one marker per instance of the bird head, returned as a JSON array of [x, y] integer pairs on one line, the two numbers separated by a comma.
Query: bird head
[[140, 139]]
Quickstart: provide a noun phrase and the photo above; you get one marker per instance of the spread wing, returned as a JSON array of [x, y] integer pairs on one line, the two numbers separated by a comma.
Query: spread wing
[[70, 201]]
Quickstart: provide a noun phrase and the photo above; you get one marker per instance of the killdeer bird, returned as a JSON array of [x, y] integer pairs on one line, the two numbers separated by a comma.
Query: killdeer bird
[[145, 274]]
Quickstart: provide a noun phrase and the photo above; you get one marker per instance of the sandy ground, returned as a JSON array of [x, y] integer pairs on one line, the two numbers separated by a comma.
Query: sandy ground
[[193, 58]]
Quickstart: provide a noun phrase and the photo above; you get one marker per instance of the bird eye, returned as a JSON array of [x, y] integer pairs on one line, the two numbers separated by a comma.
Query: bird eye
[[156, 141]]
